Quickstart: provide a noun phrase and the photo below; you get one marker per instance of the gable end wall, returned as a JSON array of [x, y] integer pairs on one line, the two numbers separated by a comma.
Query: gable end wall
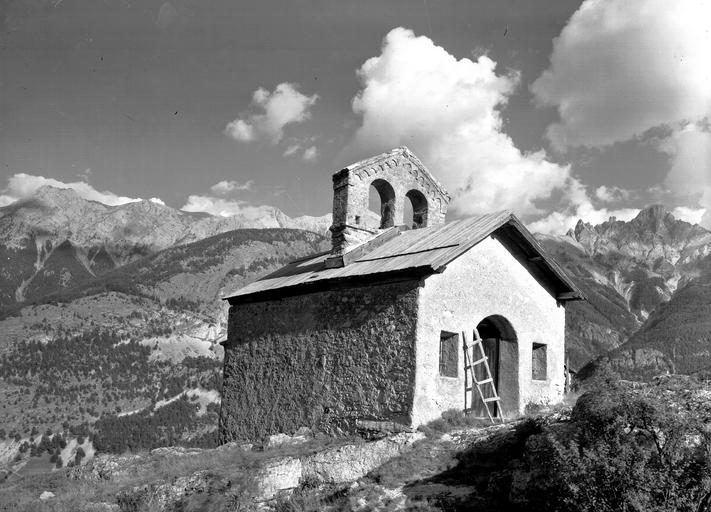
[[487, 280]]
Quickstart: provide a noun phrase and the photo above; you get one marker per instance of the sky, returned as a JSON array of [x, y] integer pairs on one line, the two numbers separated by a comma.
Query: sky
[[558, 110]]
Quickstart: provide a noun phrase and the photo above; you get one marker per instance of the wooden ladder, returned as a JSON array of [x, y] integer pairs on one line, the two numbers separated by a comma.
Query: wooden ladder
[[471, 361]]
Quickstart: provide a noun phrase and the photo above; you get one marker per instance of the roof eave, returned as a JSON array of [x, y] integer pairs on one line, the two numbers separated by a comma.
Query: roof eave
[[393, 276]]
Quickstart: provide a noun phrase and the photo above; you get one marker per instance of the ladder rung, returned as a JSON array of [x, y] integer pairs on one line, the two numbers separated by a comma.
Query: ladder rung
[[492, 399], [485, 381], [480, 361]]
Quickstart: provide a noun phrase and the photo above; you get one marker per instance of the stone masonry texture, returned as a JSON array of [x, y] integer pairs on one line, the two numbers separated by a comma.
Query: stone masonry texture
[[322, 360], [402, 173]]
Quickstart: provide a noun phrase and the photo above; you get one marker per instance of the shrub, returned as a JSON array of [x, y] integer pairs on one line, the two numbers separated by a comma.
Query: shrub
[[625, 450]]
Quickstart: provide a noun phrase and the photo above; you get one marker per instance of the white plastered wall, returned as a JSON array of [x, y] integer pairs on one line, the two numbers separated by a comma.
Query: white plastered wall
[[487, 280]]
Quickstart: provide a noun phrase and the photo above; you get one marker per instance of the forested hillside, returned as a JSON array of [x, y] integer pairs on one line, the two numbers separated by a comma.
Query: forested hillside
[[114, 354]]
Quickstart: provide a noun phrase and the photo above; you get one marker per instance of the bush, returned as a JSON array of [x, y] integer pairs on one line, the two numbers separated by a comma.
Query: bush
[[624, 450]]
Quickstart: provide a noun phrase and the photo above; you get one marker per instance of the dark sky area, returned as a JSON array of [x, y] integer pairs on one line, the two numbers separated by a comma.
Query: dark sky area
[[134, 97]]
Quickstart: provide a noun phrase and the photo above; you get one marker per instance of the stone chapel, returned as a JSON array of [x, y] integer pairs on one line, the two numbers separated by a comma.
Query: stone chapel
[[370, 334]]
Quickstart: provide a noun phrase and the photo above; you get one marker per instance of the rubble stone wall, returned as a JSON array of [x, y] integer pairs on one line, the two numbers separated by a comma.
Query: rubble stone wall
[[321, 360]]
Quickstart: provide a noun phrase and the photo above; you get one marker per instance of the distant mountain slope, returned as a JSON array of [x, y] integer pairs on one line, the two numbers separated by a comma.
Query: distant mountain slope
[[626, 270], [676, 338], [58, 240], [135, 335]]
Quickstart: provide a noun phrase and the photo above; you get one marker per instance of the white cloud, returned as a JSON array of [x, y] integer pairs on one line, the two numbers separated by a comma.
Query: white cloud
[[290, 150], [447, 111], [157, 200], [621, 67], [274, 111], [690, 154], [611, 194], [310, 154], [225, 187], [223, 207], [21, 186], [689, 150], [691, 215], [240, 130], [580, 207]]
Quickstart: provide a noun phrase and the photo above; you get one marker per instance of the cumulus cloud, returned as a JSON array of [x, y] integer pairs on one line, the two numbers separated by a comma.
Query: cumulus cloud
[[223, 207], [624, 69], [447, 111], [691, 215], [272, 112], [225, 187], [310, 154], [21, 186], [689, 151], [621, 67], [611, 194], [240, 130]]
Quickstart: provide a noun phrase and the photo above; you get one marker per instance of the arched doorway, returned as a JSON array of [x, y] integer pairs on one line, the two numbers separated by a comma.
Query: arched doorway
[[381, 201], [501, 348]]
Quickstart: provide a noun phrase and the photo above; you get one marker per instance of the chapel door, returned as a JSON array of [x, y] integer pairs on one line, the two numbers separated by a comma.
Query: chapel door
[[491, 350]]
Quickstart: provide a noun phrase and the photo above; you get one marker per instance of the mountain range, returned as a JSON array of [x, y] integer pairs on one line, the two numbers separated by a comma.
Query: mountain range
[[55, 239], [632, 273], [108, 314]]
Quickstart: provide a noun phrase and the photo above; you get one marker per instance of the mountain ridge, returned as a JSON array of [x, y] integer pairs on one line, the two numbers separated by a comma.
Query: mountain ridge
[[626, 270], [34, 234]]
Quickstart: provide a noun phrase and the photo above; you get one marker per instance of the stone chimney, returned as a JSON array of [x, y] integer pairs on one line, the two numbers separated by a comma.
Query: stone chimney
[[395, 175]]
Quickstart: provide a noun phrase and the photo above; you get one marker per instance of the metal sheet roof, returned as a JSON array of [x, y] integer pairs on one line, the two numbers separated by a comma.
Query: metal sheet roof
[[417, 252]]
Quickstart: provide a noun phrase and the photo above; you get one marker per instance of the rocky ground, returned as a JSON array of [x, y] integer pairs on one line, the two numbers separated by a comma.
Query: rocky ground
[[300, 472], [622, 446]]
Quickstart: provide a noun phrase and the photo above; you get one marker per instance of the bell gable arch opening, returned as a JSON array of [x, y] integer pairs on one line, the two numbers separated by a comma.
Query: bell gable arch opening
[[381, 191], [418, 201]]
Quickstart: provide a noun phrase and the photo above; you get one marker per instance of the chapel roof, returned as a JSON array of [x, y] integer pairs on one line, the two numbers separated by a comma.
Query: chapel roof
[[397, 254]]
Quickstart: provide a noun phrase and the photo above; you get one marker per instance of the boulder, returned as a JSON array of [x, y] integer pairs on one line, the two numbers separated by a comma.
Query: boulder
[[278, 475]]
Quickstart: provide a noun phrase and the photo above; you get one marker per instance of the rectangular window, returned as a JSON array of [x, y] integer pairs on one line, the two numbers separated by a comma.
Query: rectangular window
[[539, 366], [448, 354]]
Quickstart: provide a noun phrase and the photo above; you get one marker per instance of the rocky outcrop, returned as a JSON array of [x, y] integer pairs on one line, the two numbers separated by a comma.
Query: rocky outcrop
[[339, 465], [274, 477]]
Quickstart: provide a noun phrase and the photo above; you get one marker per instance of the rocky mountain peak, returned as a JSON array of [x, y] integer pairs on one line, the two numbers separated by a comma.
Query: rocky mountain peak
[[57, 197], [654, 219], [653, 225]]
